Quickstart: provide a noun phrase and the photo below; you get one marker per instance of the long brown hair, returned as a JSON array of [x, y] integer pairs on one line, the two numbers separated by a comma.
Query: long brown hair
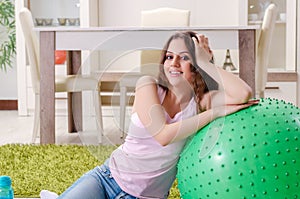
[[201, 81]]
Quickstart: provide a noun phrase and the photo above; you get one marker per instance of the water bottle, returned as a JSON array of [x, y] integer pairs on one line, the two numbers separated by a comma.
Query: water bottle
[[6, 190]]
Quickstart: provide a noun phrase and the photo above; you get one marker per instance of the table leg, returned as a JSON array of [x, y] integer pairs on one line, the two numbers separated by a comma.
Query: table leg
[[74, 99], [47, 88], [247, 46]]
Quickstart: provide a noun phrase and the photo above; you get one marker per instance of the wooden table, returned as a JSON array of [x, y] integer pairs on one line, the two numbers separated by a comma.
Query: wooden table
[[76, 39]]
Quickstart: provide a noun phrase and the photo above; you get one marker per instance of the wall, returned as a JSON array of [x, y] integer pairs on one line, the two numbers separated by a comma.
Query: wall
[[8, 80], [8, 84]]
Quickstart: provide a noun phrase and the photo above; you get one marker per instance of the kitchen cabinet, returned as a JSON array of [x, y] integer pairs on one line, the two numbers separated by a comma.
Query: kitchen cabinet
[[283, 47]]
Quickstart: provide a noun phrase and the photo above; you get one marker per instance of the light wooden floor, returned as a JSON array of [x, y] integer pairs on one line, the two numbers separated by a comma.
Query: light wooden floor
[[18, 129]]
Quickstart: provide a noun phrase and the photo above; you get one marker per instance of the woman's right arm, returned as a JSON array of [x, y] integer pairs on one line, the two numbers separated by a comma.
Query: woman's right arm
[[151, 114]]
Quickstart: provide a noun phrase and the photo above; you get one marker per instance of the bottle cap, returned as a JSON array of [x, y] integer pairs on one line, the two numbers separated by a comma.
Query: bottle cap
[[5, 181]]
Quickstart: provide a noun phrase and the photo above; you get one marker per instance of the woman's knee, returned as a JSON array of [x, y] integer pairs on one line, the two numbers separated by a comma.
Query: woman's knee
[[88, 186]]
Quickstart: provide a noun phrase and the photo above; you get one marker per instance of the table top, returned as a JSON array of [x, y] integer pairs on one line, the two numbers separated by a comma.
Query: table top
[[137, 28], [110, 38]]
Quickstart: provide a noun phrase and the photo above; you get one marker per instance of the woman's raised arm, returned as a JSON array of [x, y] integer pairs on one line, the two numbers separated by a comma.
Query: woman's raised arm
[[235, 89]]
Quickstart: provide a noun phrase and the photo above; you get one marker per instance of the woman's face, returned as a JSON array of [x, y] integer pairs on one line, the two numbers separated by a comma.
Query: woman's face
[[178, 62]]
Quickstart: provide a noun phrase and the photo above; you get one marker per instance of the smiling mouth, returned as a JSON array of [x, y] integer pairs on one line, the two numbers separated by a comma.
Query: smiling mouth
[[175, 72]]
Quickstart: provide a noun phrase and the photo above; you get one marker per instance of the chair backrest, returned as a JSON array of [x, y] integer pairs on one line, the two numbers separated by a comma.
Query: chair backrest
[[32, 46], [263, 49], [165, 17], [159, 17]]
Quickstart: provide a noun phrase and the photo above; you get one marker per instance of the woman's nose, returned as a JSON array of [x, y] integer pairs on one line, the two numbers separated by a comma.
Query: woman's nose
[[175, 61]]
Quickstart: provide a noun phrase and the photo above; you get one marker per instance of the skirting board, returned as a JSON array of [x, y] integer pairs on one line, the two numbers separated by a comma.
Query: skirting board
[[8, 104]]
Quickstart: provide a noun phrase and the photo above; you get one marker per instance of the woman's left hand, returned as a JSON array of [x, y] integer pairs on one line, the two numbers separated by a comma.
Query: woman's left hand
[[221, 111]]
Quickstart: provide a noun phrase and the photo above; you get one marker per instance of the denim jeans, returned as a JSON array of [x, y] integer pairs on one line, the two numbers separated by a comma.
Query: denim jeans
[[96, 184]]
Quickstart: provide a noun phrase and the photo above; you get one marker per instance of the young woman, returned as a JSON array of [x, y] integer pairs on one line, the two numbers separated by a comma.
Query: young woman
[[189, 93]]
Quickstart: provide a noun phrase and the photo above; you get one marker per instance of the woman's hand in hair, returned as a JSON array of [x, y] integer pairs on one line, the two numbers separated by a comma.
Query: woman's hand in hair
[[236, 91], [202, 49]]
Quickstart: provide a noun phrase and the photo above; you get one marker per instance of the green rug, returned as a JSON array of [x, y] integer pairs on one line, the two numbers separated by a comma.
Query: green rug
[[51, 167]]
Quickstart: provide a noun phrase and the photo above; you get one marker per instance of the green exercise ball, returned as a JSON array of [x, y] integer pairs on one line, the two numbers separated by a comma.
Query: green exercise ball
[[253, 153]]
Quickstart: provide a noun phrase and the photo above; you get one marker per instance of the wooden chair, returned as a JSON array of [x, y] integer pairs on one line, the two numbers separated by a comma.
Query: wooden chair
[[165, 17], [263, 49], [63, 83]]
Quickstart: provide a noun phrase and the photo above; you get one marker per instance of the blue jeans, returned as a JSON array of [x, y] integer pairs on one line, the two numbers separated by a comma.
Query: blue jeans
[[96, 184]]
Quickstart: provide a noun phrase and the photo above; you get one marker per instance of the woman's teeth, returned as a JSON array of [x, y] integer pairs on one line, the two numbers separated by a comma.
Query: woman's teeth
[[175, 72]]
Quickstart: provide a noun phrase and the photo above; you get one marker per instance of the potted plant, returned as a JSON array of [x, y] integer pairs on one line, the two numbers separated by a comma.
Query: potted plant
[[7, 33]]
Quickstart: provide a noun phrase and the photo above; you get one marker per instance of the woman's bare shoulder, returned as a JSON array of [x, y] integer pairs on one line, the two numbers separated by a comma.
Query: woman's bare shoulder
[[145, 81], [145, 94]]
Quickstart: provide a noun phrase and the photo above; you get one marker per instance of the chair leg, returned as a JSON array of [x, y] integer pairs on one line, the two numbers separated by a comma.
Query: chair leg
[[260, 94], [36, 123], [99, 119], [123, 97]]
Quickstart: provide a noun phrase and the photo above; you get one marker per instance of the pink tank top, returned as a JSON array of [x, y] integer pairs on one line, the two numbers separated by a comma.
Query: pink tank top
[[141, 166]]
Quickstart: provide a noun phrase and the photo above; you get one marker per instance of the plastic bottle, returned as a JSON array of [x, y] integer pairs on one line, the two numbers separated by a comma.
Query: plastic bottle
[[6, 190]]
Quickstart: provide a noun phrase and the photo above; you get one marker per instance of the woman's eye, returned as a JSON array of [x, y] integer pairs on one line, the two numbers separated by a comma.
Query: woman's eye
[[186, 58], [169, 56]]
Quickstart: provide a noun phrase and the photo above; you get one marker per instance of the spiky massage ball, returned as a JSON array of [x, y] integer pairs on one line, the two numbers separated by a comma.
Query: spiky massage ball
[[254, 153]]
